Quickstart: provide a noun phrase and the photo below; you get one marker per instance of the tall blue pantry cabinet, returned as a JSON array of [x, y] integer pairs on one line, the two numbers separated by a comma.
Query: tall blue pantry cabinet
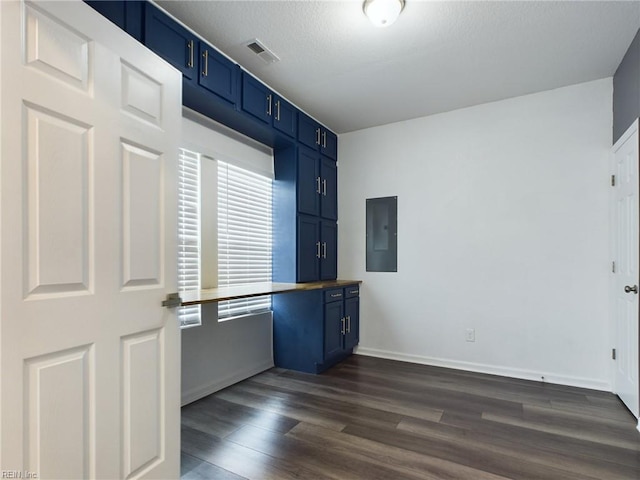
[[315, 328]]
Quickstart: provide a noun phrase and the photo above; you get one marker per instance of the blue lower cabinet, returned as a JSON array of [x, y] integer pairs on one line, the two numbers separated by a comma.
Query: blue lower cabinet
[[334, 323], [311, 332], [352, 318]]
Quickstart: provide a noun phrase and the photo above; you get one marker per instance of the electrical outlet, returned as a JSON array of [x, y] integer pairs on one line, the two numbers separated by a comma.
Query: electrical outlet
[[470, 335]]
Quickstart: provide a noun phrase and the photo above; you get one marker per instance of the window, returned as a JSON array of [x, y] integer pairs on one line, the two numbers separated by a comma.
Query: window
[[189, 233], [244, 236], [224, 215]]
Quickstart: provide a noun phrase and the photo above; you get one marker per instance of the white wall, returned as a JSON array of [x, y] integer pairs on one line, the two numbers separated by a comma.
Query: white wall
[[503, 227], [218, 354]]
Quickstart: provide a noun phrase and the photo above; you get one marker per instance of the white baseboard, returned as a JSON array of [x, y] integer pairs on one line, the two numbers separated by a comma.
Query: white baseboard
[[490, 369], [201, 391]]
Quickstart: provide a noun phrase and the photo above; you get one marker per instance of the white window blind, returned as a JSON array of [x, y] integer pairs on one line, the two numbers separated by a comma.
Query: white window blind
[[244, 236], [189, 233]]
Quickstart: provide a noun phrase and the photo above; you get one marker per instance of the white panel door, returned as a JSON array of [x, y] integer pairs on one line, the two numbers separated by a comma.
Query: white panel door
[[625, 278], [90, 360]]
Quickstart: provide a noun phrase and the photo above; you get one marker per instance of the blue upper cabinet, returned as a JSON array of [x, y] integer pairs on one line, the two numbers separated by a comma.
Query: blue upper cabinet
[[328, 189], [262, 103], [285, 116], [125, 14], [171, 41], [328, 250], [316, 249], [329, 143], [308, 131], [256, 98], [317, 185], [308, 249], [309, 182], [314, 135], [218, 74]]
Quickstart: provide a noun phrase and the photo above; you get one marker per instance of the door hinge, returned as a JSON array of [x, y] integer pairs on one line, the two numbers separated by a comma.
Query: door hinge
[[613, 353], [613, 267], [173, 300], [613, 180]]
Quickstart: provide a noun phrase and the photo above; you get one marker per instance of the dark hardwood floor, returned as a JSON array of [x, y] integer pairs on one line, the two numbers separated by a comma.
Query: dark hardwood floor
[[371, 418]]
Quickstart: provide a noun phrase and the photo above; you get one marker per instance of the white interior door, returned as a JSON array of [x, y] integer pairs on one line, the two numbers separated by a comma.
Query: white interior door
[[90, 360], [625, 278]]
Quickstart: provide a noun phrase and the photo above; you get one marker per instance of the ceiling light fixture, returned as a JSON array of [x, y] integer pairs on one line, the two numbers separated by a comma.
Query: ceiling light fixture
[[383, 13]]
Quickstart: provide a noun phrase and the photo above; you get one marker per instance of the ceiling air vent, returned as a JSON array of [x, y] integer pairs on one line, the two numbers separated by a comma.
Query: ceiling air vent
[[266, 55]]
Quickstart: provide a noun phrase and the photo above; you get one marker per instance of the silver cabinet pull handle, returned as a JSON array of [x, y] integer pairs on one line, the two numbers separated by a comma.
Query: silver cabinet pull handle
[[278, 110], [348, 323], [318, 249], [269, 104], [324, 252], [205, 70], [342, 320], [190, 47], [318, 182], [324, 139], [353, 292], [317, 136], [324, 187], [336, 295]]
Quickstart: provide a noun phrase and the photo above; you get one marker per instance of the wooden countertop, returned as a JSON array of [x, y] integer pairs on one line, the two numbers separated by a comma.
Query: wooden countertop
[[212, 295]]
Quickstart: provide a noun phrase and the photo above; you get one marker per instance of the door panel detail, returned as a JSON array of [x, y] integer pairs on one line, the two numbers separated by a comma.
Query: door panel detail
[[142, 229], [141, 95], [142, 401], [56, 49], [59, 418], [59, 220]]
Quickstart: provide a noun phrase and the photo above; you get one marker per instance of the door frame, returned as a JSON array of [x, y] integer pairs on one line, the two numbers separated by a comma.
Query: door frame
[[631, 130]]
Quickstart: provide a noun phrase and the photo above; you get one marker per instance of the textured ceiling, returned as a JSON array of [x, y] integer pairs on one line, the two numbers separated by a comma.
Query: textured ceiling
[[437, 57]]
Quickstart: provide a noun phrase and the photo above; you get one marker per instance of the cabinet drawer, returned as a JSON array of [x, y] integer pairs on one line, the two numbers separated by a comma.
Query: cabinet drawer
[[352, 291], [333, 295]]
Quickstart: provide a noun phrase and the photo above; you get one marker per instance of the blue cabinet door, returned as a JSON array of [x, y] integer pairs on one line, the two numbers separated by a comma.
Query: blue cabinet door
[[309, 182], [308, 131], [171, 41], [256, 98], [329, 250], [285, 116], [260, 101], [308, 249], [217, 73], [329, 196], [125, 14], [333, 329], [328, 144], [113, 10], [314, 135], [352, 320]]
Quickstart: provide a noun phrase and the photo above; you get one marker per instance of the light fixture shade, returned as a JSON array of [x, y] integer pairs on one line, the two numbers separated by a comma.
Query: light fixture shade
[[383, 13]]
